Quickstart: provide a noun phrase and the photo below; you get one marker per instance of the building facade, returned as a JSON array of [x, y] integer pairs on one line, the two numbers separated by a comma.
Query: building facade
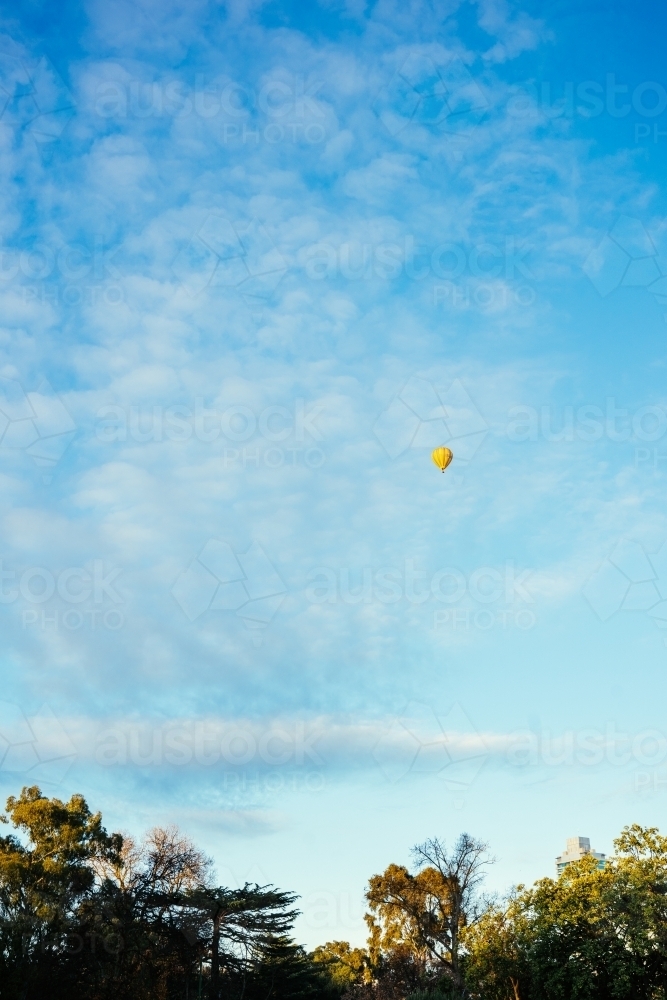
[[577, 848]]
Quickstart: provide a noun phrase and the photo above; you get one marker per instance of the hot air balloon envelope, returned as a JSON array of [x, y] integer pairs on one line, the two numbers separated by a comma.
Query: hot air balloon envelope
[[442, 457]]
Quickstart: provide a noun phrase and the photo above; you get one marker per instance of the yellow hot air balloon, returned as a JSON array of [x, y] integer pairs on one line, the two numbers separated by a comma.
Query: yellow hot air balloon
[[442, 457]]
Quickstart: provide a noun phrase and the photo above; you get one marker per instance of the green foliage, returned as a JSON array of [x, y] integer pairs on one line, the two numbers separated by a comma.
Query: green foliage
[[285, 970], [50, 873], [592, 934], [344, 965], [416, 921], [46, 878], [94, 916]]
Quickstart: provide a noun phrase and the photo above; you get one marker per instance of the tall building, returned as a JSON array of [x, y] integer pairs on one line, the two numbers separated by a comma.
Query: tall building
[[577, 847]]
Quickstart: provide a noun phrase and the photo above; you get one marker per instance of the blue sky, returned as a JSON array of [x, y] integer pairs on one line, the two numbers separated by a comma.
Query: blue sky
[[258, 259]]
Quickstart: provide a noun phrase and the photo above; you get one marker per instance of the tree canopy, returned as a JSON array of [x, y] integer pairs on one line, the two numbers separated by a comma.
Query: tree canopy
[[95, 915]]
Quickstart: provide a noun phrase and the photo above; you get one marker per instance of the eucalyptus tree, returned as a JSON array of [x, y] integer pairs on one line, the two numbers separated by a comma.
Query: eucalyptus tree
[[416, 918]]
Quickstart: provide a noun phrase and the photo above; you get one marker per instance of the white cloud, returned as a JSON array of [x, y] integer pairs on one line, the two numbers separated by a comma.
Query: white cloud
[[143, 494]]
